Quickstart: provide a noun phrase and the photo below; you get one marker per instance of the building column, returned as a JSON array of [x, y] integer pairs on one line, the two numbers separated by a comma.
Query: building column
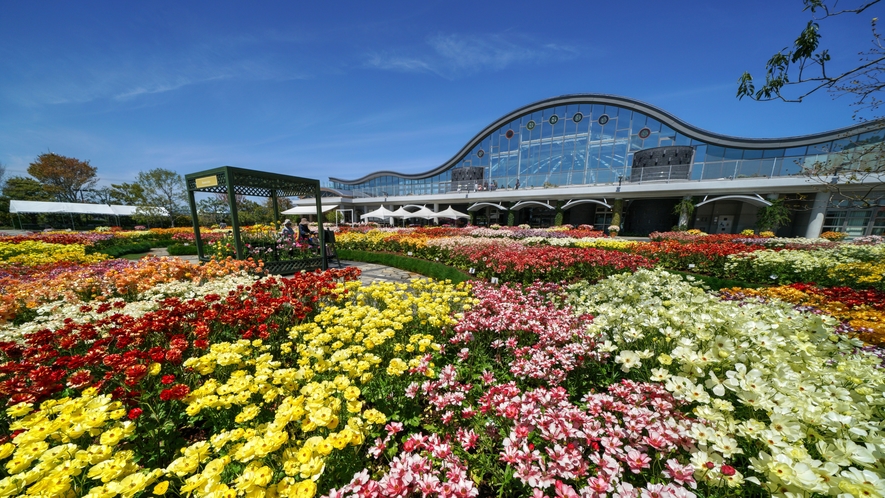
[[818, 213]]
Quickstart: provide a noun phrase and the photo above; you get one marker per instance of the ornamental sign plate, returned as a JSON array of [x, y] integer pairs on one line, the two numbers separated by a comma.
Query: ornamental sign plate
[[530, 125], [206, 181], [577, 117], [554, 119], [603, 119]]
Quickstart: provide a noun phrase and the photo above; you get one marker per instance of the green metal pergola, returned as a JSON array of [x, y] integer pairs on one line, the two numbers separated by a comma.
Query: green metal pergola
[[234, 181]]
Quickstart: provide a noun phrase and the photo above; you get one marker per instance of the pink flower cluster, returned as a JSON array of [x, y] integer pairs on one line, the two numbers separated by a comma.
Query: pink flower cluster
[[546, 342], [446, 396], [553, 442], [426, 466]]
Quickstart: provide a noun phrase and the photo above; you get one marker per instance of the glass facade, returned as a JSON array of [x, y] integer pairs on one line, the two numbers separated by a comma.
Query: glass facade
[[591, 143]]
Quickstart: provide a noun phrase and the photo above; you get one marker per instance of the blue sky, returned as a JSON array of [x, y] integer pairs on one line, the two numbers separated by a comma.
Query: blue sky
[[319, 89]]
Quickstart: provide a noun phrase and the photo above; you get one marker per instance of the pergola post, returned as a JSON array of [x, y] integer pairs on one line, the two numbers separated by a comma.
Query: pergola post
[[231, 182]]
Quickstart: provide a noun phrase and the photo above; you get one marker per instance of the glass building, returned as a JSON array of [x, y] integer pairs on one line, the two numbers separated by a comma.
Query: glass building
[[576, 147]]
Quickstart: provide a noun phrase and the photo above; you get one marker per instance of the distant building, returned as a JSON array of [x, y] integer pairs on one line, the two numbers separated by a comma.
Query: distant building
[[579, 153]]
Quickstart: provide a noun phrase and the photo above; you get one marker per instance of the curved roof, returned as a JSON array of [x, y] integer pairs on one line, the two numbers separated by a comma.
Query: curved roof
[[673, 122]]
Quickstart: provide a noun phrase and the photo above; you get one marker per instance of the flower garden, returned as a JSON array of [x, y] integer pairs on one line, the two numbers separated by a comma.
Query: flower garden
[[569, 364]]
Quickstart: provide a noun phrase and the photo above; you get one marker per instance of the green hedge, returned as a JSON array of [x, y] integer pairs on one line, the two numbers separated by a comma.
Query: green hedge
[[117, 250], [430, 269], [182, 250]]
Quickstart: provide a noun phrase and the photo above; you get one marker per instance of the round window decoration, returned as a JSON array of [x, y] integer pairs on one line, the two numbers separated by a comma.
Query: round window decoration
[[577, 117], [530, 125], [480, 153], [603, 119], [553, 119], [644, 133], [509, 134]]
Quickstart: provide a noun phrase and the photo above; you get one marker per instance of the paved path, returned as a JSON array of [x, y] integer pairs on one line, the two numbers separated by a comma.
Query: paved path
[[371, 272]]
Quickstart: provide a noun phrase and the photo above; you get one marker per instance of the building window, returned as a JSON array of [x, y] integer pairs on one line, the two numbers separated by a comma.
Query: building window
[[855, 222]]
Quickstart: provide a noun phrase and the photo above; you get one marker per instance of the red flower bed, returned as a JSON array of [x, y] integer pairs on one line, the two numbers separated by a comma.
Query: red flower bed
[[114, 354], [851, 298], [518, 263], [64, 238], [702, 257]]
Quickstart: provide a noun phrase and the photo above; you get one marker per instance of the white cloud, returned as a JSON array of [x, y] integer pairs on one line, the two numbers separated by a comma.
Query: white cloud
[[455, 55], [124, 73]]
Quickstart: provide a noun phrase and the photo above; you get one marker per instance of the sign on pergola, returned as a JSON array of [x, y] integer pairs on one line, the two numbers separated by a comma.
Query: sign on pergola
[[233, 181]]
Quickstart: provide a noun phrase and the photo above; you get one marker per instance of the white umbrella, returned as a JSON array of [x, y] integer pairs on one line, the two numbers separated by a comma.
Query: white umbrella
[[450, 213]]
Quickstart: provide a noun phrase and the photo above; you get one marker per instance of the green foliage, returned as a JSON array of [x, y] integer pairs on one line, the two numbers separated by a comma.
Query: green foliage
[[20, 188], [63, 177], [128, 194], [182, 250], [117, 248], [164, 189], [803, 67], [684, 209], [773, 217], [430, 269]]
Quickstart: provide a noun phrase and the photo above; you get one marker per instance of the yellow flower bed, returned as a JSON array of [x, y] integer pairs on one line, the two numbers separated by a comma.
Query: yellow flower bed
[[616, 244], [866, 274], [282, 411], [32, 253]]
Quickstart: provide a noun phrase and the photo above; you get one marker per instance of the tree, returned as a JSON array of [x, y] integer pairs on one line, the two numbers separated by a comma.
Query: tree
[[214, 207], [773, 217], [127, 194], [19, 188], [803, 68], [2, 175], [163, 188], [64, 177], [852, 170], [684, 209]]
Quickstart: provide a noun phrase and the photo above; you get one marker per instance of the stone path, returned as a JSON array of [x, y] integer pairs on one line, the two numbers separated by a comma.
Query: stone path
[[371, 272]]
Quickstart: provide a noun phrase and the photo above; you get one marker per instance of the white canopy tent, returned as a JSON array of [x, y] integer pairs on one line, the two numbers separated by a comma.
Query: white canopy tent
[[132, 210], [59, 207], [450, 213], [308, 210], [305, 210], [72, 208], [424, 212], [381, 213]]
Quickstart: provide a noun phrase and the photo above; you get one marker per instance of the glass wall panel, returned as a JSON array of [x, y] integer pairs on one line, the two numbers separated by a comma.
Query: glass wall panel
[[713, 171], [651, 123], [734, 153], [750, 168], [791, 166], [878, 227], [714, 153], [819, 148], [638, 122]]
